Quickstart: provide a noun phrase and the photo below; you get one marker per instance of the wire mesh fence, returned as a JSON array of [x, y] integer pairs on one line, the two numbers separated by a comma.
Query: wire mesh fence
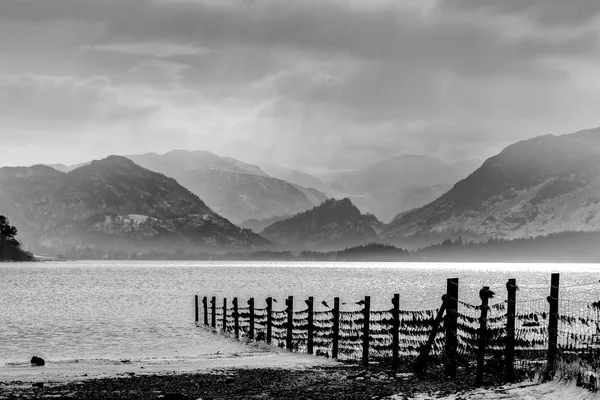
[[533, 339]]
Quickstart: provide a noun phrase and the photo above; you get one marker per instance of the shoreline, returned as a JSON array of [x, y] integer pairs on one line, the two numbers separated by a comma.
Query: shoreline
[[80, 370], [331, 381], [260, 379], [269, 375]]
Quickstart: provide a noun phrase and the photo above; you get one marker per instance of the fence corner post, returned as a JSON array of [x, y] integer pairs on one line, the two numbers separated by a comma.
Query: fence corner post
[[552, 326], [396, 331], [421, 363], [366, 339], [336, 328], [511, 311], [451, 326]]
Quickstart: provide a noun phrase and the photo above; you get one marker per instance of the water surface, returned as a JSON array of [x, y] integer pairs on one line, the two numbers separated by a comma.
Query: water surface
[[112, 310]]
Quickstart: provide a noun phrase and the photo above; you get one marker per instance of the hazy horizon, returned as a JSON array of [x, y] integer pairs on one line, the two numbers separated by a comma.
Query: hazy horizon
[[319, 86]]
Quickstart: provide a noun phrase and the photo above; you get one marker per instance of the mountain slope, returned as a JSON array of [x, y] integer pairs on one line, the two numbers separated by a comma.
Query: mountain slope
[[258, 226], [394, 185], [234, 189], [544, 185], [334, 224], [296, 177], [112, 202]]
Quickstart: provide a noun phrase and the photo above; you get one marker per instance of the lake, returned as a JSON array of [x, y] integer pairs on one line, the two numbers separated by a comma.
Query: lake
[[87, 310]]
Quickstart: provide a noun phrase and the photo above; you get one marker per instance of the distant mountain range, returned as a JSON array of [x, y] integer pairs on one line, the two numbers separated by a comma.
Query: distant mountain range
[[332, 225], [112, 203], [397, 184], [295, 177], [234, 189], [547, 185], [541, 186]]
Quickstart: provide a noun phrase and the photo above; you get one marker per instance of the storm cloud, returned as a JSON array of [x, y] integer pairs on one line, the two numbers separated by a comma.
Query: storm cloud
[[320, 85]]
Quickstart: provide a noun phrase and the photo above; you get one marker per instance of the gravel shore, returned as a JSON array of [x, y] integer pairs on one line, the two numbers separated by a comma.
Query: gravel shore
[[337, 381]]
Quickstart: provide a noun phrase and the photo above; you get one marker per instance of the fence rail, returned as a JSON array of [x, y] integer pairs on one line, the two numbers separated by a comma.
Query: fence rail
[[514, 334]]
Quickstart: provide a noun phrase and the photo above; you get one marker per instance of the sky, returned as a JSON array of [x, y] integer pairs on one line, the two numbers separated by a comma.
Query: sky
[[319, 85]]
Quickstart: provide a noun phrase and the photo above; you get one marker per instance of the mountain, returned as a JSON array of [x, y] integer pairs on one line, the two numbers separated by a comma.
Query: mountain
[[66, 168], [112, 203], [296, 177], [234, 189], [258, 225], [334, 224], [544, 185], [394, 185]]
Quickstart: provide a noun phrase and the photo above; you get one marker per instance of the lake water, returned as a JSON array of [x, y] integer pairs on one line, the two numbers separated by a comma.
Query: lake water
[[111, 310]]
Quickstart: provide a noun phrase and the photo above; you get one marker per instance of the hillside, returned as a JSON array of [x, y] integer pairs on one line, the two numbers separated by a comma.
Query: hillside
[[296, 177], [234, 189], [540, 186], [258, 226], [334, 224], [394, 185], [112, 203]]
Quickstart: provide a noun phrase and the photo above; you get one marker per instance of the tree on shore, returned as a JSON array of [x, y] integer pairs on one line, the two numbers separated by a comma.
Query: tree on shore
[[7, 231], [10, 248]]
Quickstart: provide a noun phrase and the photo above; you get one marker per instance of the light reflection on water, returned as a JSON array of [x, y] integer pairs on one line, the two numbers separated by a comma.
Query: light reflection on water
[[140, 309]]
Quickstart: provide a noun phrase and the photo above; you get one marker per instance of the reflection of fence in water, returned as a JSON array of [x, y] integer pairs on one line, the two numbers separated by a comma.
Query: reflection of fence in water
[[347, 334]]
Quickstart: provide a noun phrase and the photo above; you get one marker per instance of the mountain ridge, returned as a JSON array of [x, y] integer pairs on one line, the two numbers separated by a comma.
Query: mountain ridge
[[534, 187], [234, 189], [110, 201], [334, 224]]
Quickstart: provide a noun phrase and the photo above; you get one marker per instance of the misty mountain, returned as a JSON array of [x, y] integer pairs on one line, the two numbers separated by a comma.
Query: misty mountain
[[394, 185], [258, 225], [296, 177], [540, 186], [335, 224], [66, 168], [234, 189], [115, 203]]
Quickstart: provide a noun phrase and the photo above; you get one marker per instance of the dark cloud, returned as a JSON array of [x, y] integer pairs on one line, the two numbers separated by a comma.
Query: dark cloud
[[315, 83], [43, 99], [545, 12]]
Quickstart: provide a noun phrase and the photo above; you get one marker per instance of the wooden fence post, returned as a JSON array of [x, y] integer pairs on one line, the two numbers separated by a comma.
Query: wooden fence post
[[224, 315], [205, 306], [214, 312], [290, 322], [269, 319], [236, 318], [196, 309], [421, 363], [336, 328], [483, 294], [367, 318], [251, 318], [310, 342], [552, 325], [511, 310], [451, 325], [396, 332]]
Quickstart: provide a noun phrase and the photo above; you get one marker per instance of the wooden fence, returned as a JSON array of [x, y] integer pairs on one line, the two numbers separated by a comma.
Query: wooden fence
[[457, 333]]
